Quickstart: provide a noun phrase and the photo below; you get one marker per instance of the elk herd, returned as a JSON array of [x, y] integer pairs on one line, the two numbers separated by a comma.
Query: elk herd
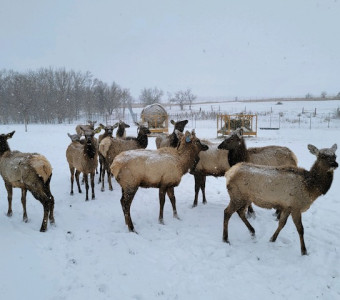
[[266, 176]]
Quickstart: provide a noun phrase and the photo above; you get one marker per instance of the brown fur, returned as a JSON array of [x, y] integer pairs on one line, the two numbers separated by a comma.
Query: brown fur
[[290, 189], [80, 128], [83, 158], [218, 159], [111, 147], [27, 171], [171, 140], [108, 131], [162, 168]]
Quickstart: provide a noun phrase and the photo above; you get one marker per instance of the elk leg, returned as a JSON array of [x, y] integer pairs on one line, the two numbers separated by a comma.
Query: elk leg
[[126, 200], [199, 184], [171, 194], [282, 222], [299, 227], [72, 179], [92, 185], [250, 211], [86, 186], [103, 176], [197, 189], [242, 215], [77, 179], [23, 202], [227, 214], [278, 214], [109, 179], [161, 204], [9, 189], [204, 201], [46, 211], [51, 210]]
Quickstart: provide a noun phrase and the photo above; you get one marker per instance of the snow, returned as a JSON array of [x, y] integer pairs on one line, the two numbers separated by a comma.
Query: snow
[[90, 254]]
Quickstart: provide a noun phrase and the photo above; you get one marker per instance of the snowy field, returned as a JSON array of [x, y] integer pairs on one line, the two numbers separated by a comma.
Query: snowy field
[[90, 254]]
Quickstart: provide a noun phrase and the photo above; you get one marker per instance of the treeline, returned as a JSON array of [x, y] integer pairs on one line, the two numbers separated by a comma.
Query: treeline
[[55, 96]]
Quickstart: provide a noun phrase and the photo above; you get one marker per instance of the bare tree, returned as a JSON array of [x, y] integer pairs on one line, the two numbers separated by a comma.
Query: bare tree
[[183, 98], [151, 96], [126, 100]]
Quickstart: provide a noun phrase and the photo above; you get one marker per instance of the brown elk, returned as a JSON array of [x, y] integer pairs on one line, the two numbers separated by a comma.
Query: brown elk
[[83, 158], [162, 168], [268, 187], [27, 171]]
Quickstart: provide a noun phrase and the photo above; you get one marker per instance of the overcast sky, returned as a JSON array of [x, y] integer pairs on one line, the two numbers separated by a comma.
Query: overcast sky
[[218, 48]]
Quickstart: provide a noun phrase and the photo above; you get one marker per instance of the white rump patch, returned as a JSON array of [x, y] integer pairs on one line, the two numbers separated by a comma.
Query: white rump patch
[[41, 165]]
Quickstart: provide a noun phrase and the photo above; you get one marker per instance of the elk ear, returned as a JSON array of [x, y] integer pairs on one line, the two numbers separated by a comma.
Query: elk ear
[[172, 122], [115, 125], [313, 149], [137, 124], [9, 135], [101, 126], [334, 147]]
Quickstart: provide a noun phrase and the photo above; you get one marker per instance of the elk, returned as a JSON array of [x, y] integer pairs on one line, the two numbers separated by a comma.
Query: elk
[[121, 132], [268, 155], [268, 187], [83, 158], [27, 171], [110, 148], [171, 140], [219, 158], [162, 168], [108, 131]]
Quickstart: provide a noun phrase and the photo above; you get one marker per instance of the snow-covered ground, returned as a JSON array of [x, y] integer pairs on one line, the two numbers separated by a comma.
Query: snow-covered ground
[[90, 254]]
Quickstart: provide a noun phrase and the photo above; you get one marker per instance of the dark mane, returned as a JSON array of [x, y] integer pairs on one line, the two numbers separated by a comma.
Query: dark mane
[[238, 154], [90, 149]]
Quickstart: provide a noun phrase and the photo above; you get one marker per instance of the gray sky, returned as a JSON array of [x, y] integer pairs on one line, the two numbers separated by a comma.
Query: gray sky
[[218, 48]]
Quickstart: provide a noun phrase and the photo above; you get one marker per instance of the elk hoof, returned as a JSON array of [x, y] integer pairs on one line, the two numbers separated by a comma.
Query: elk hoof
[[161, 221], [226, 241], [304, 252], [9, 214]]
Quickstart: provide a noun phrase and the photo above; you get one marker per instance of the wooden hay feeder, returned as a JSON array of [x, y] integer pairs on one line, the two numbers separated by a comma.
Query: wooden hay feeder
[[156, 118], [228, 123]]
